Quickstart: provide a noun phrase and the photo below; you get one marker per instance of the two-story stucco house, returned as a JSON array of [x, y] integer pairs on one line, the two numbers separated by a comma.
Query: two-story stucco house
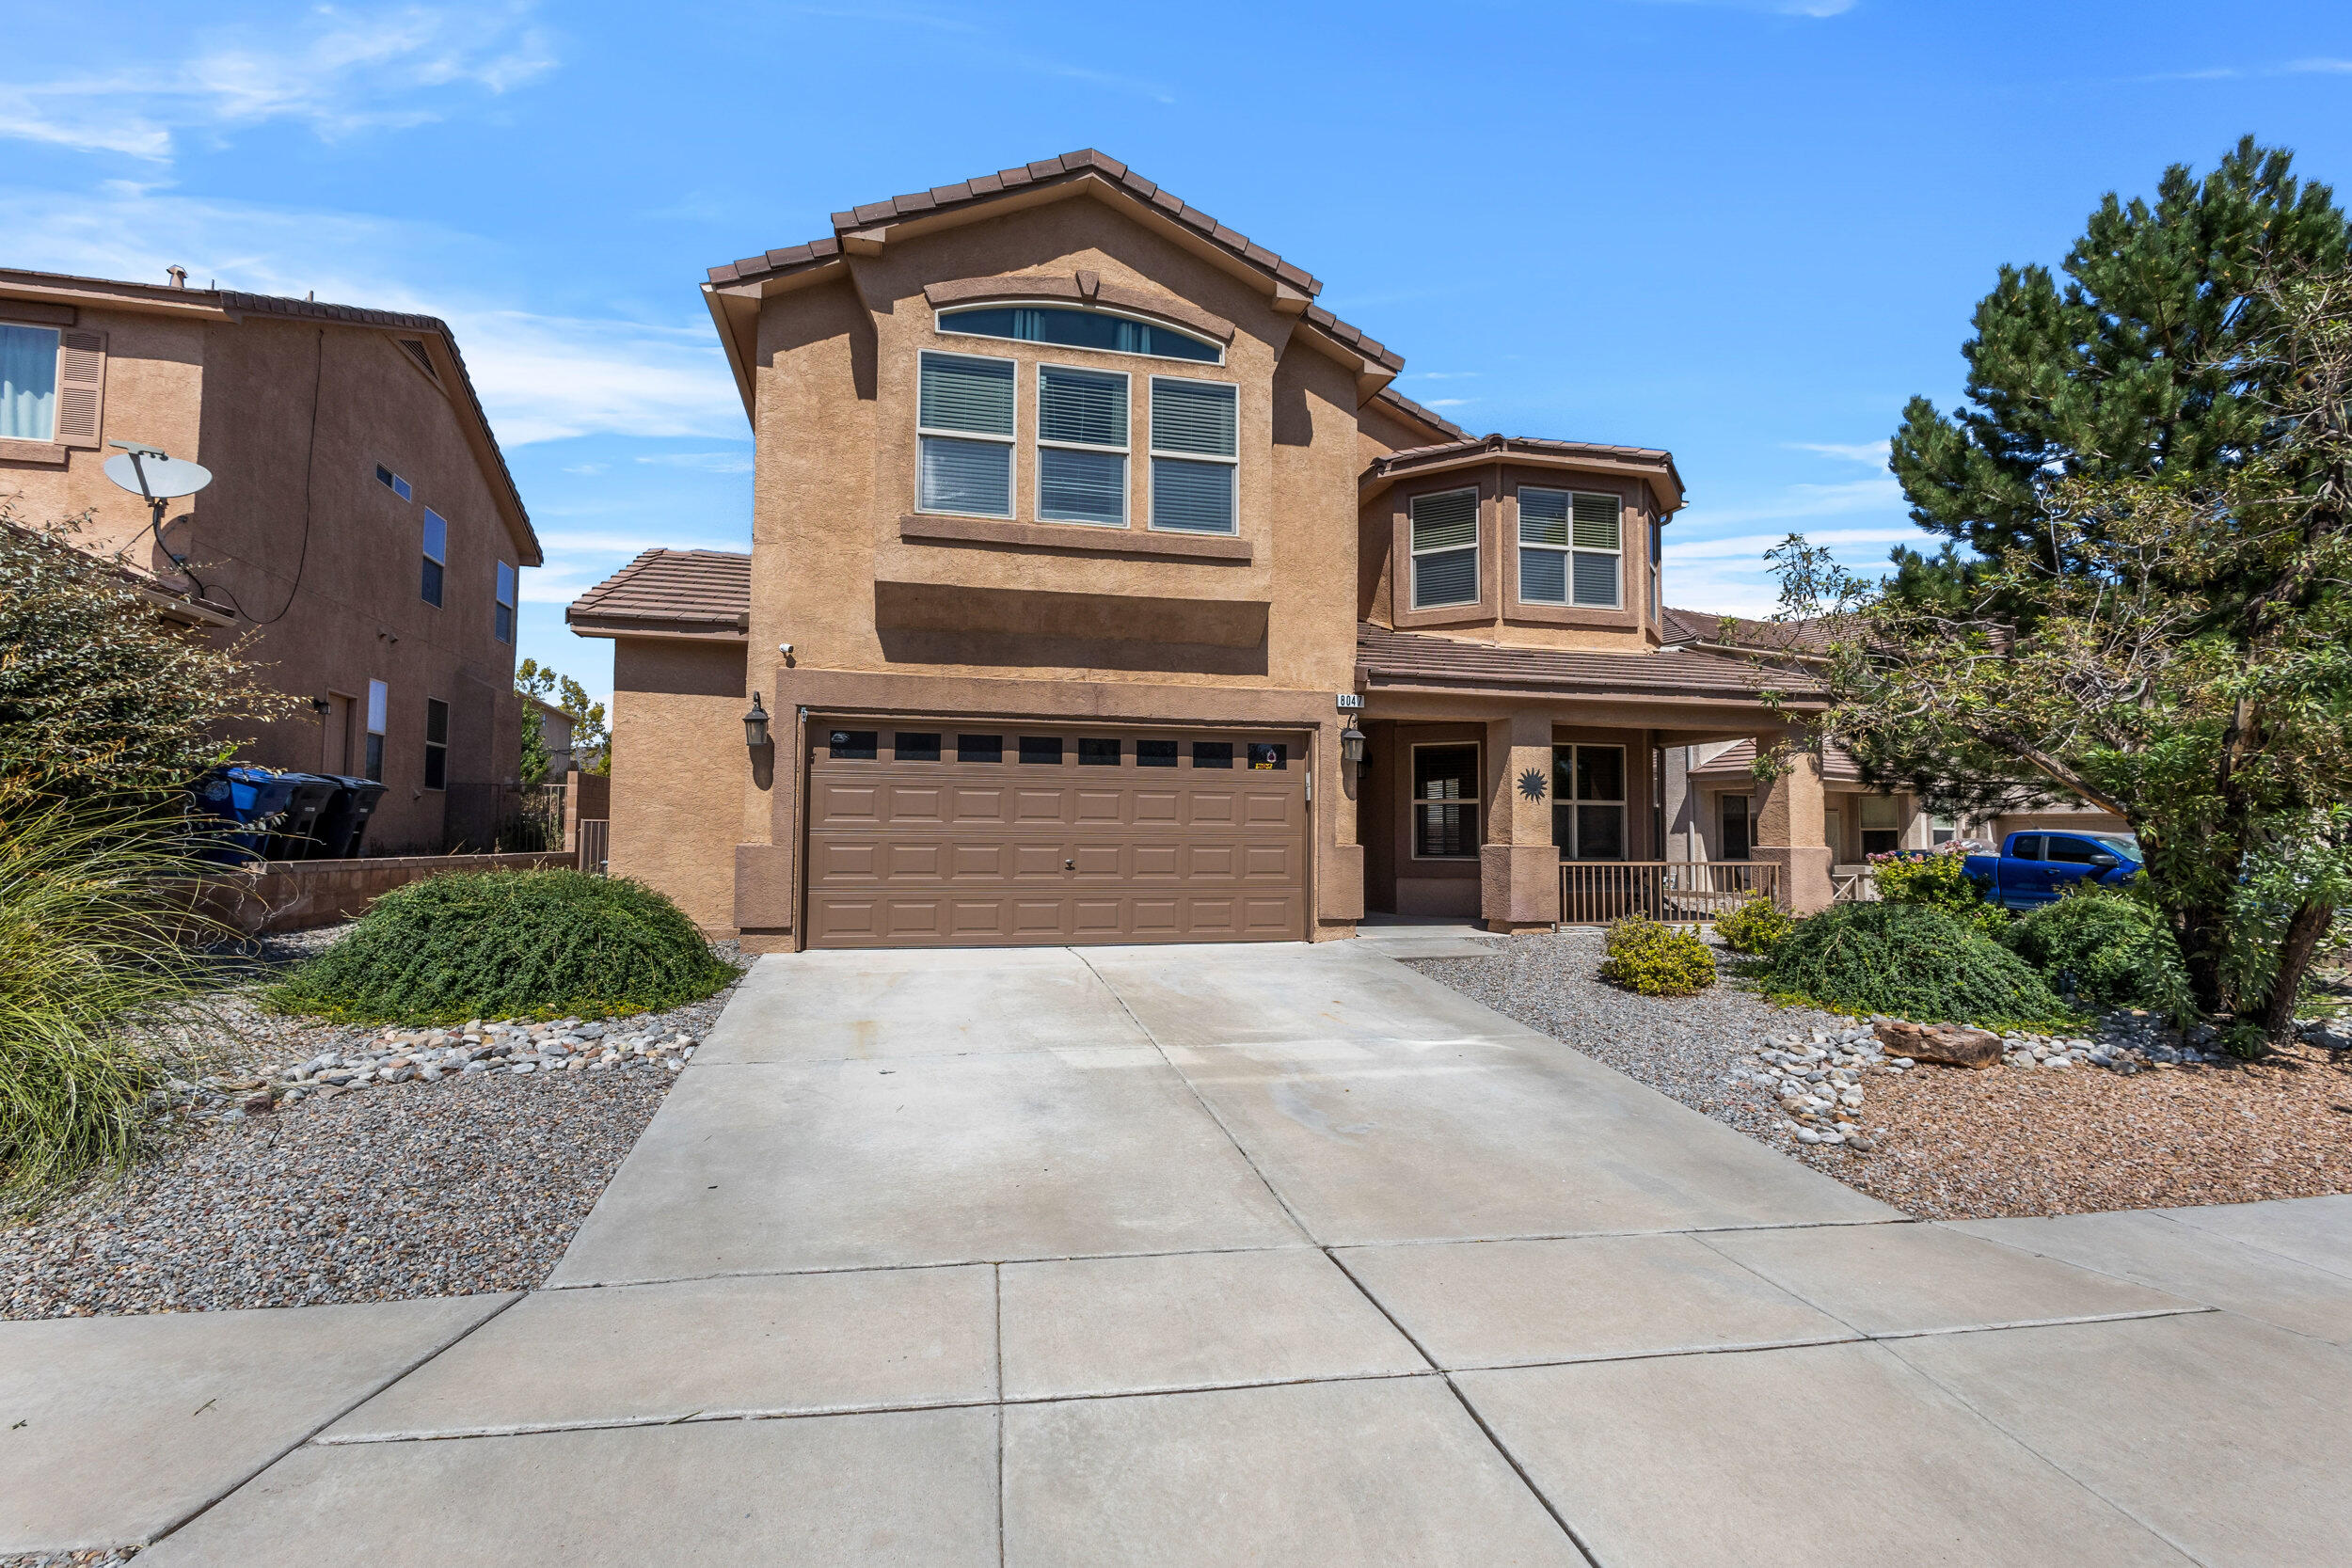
[[1102, 590], [360, 530]]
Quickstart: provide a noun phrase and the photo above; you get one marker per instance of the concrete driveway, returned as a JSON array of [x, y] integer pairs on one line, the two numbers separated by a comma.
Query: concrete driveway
[[1287, 1255]]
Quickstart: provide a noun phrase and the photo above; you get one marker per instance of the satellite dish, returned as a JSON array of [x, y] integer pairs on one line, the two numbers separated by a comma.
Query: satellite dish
[[144, 471]]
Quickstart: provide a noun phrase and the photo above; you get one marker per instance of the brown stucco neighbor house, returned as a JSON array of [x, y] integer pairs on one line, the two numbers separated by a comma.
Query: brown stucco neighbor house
[[1085, 546], [361, 528]]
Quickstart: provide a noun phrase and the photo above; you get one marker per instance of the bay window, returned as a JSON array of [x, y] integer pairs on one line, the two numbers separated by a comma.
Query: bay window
[[1444, 549], [1571, 548]]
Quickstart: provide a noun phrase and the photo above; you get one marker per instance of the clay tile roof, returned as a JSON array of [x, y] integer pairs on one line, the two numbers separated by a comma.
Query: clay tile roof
[[1386, 657], [1837, 764], [1699, 625], [1427, 416], [699, 593], [1070, 166], [1505, 444]]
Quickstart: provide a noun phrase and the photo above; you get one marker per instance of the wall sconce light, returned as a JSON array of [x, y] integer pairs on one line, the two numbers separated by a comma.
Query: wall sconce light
[[318, 704], [1352, 746], [755, 725]]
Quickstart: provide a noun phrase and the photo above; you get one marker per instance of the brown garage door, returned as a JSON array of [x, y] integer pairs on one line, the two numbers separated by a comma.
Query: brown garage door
[[981, 835]]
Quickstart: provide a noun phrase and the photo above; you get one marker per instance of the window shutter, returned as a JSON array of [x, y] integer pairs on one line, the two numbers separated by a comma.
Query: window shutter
[[1597, 522], [960, 393], [81, 385], [1194, 416]]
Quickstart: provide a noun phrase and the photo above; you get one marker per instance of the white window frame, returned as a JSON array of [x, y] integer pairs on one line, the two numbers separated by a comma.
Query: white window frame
[[375, 717], [505, 590], [941, 313], [1012, 476], [1475, 800], [1565, 551], [425, 546], [1477, 548], [56, 378], [388, 478], [1126, 453], [1569, 551], [1152, 454], [1573, 802]]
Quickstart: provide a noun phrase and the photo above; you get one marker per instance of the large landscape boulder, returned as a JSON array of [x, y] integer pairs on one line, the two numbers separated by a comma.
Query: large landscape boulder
[[1945, 1044]]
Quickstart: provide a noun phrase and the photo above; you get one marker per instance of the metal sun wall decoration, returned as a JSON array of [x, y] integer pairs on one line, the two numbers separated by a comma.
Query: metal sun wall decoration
[[1532, 783]]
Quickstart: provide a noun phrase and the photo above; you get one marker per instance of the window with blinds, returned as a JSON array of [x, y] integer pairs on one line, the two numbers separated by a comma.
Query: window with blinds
[[965, 426], [1081, 446], [436, 556], [1571, 547], [1444, 549], [1195, 454]]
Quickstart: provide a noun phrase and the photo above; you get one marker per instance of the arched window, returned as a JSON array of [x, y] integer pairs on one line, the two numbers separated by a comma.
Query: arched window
[[1075, 328]]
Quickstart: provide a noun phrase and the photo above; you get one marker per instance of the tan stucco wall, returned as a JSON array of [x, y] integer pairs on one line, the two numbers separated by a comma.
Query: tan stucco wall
[[327, 608], [679, 773]]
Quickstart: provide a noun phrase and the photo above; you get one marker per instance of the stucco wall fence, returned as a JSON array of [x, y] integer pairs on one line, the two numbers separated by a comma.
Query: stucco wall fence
[[296, 895]]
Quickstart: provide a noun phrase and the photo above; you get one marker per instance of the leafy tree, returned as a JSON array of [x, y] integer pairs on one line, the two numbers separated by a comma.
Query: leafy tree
[[2139, 367], [591, 743], [99, 694], [2177, 648]]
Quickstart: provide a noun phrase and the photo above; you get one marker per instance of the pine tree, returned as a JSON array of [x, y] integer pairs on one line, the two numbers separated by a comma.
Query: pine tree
[[2136, 368]]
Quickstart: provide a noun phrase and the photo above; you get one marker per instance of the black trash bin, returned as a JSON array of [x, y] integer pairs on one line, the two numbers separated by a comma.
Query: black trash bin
[[295, 838], [345, 822]]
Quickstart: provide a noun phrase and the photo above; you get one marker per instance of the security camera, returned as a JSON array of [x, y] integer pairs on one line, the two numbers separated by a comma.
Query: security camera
[[785, 648]]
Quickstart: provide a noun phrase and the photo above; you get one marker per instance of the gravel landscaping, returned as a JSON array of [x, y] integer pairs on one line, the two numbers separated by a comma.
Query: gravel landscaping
[[2128, 1116], [316, 1164]]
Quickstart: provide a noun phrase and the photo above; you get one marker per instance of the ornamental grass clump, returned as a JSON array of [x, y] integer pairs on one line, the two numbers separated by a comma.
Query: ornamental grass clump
[[509, 944], [1656, 959], [1910, 961], [93, 922], [1754, 926]]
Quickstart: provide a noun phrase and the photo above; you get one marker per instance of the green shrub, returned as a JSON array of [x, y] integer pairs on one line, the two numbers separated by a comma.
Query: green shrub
[[509, 944], [1910, 960], [2117, 948], [1937, 881], [91, 950], [1656, 960], [1755, 925]]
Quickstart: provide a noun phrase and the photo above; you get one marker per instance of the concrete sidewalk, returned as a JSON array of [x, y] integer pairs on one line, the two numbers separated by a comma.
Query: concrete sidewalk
[[1246, 1253]]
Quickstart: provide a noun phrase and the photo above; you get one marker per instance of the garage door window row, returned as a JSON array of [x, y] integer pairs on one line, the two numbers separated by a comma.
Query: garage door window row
[[1053, 750]]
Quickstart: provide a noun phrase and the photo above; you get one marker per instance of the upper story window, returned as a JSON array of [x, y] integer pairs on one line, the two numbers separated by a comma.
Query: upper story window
[[28, 383], [1075, 328], [1444, 549], [1571, 548], [505, 614], [1081, 446], [1194, 453], [436, 556], [392, 481], [1657, 585], [965, 426], [436, 743]]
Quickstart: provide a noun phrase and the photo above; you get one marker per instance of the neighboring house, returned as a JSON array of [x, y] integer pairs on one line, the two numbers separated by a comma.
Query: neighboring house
[[361, 528], [1087, 548], [555, 735], [1710, 790]]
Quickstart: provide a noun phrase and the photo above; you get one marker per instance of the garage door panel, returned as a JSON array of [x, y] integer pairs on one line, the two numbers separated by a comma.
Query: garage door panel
[[933, 850]]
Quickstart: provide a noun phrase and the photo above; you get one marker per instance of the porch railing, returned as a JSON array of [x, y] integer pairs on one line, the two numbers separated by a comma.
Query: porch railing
[[1593, 893], [1853, 884]]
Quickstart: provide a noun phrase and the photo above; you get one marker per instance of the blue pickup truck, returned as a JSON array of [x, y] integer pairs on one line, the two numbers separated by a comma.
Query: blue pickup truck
[[2035, 867]]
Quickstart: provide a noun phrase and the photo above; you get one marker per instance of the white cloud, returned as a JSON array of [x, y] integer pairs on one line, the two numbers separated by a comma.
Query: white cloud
[[1442, 375], [1751, 547], [1872, 452], [598, 542], [344, 73], [1447, 402], [541, 377], [1805, 500]]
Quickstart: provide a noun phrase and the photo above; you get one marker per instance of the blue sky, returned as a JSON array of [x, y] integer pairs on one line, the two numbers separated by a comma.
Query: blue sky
[[1746, 230]]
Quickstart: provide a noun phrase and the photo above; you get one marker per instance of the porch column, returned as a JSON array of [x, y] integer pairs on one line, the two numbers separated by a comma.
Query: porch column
[[1791, 826], [1518, 868]]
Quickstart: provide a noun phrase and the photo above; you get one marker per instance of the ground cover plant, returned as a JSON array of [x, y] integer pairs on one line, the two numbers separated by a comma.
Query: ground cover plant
[[1656, 959], [546, 943], [1754, 927], [2112, 946], [1911, 961]]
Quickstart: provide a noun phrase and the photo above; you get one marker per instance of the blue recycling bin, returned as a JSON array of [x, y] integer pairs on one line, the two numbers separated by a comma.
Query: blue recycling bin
[[296, 835], [233, 810]]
